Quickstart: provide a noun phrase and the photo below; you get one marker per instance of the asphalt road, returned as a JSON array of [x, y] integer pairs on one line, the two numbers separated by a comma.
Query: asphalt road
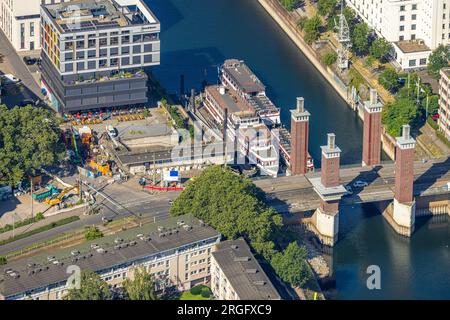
[[18, 66], [156, 206]]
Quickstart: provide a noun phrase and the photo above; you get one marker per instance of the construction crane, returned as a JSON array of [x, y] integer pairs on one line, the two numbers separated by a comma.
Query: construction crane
[[343, 36]]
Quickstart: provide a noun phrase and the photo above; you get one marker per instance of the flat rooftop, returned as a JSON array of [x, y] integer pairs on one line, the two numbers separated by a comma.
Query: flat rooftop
[[412, 46], [103, 254], [243, 271], [230, 100], [245, 79], [87, 15]]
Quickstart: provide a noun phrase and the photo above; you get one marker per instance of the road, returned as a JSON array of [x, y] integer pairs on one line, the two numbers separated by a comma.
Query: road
[[18, 66], [131, 203], [296, 193]]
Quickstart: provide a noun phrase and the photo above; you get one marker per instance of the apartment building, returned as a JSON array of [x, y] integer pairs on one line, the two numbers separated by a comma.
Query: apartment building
[[414, 27], [94, 52], [237, 275], [444, 102], [176, 251], [19, 20]]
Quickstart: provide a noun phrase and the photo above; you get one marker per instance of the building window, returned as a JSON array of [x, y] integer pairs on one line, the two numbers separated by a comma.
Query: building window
[[31, 29], [412, 63], [423, 61], [22, 36]]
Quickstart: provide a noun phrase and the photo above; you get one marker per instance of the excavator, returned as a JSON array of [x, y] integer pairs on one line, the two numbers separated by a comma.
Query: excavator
[[58, 199]]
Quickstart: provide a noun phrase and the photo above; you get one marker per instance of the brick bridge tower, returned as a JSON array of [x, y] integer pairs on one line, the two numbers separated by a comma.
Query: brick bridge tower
[[299, 138], [328, 187], [404, 203], [372, 130]]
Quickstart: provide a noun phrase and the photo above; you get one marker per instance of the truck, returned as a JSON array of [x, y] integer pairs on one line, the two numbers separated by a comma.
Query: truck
[[45, 193]]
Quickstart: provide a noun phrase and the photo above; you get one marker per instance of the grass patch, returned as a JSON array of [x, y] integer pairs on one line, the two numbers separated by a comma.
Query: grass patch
[[41, 229], [200, 292]]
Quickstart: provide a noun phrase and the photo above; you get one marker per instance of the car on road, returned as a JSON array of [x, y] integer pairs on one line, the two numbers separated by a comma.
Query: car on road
[[360, 184], [170, 202], [9, 78], [29, 60], [106, 220], [348, 191]]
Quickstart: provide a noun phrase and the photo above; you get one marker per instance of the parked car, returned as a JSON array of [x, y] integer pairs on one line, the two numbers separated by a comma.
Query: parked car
[[349, 191], [9, 78], [360, 184], [29, 60], [26, 102]]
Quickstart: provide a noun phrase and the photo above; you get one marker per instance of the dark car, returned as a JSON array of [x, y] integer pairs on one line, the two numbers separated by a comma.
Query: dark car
[[26, 102], [29, 61]]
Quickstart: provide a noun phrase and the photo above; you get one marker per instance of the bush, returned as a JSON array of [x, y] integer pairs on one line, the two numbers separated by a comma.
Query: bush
[[206, 292], [197, 290], [92, 233], [329, 58], [3, 260]]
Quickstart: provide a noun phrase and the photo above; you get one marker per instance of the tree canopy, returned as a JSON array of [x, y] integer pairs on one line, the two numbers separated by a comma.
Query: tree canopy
[[234, 206], [438, 59], [326, 7], [141, 287], [29, 140], [92, 233], [92, 288], [380, 48], [398, 113], [291, 265], [311, 27], [360, 37], [291, 4], [389, 80]]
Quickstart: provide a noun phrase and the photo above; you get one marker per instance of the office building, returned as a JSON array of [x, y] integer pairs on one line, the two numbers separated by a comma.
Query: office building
[[444, 102], [94, 53]]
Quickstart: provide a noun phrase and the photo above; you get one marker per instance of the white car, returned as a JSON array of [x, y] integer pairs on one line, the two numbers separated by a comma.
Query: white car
[[9, 78], [360, 184]]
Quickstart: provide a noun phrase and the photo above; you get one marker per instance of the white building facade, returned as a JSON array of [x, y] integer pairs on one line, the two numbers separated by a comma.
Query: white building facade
[[414, 27], [444, 103], [19, 20]]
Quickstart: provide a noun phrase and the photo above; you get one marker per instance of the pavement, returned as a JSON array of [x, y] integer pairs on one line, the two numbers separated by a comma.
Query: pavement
[[18, 68]]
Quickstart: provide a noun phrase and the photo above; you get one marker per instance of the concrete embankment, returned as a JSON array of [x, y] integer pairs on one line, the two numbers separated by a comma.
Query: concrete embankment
[[275, 10]]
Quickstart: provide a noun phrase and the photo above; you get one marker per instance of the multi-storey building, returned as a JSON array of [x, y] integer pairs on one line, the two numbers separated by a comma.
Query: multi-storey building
[[444, 102], [237, 275], [94, 52], [19, 21], [176, 252], [414, 27]]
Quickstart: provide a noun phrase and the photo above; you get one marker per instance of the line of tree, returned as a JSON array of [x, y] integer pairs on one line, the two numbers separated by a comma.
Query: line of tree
[[291, 5], [235, 207]]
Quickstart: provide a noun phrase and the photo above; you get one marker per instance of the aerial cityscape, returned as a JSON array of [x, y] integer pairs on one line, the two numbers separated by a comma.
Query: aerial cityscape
[[224, 150]]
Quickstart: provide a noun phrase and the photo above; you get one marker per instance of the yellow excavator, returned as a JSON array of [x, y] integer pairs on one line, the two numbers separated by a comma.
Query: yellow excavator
[[58, 199]]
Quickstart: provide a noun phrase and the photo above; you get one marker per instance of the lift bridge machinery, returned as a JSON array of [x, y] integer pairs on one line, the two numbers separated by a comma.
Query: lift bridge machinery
[[343, 36]]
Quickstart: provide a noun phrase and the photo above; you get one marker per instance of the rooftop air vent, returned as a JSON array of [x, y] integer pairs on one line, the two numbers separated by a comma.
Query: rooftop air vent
[[160, 229], [241, 259], [187, 227], [75, 252], [180, 223], [251, 271], [259, 283], [235, 247]]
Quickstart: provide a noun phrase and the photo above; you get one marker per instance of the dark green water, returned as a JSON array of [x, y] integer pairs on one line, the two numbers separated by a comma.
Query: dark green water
[[197, 35]]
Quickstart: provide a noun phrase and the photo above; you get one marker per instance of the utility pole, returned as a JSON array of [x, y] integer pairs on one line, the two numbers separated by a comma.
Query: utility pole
[[154, 170], [31, 183], [426, 107]]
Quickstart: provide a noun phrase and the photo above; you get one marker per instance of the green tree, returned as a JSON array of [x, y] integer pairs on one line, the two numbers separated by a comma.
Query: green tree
[[326, 7], [438, 59], [329, 58], [360, 38], [398, 113], [389, 80], [229, 203], [92, 233], [312, 29], [92, 287], [290, 5], [141, 287], [291, 265], [29, 140], [380, 48], [3, 260]]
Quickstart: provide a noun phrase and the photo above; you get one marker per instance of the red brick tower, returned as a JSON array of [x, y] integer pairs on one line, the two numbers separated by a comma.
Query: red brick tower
[[372, 130], [403, 216], [404, 166], [328, 187], [299, 136]]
